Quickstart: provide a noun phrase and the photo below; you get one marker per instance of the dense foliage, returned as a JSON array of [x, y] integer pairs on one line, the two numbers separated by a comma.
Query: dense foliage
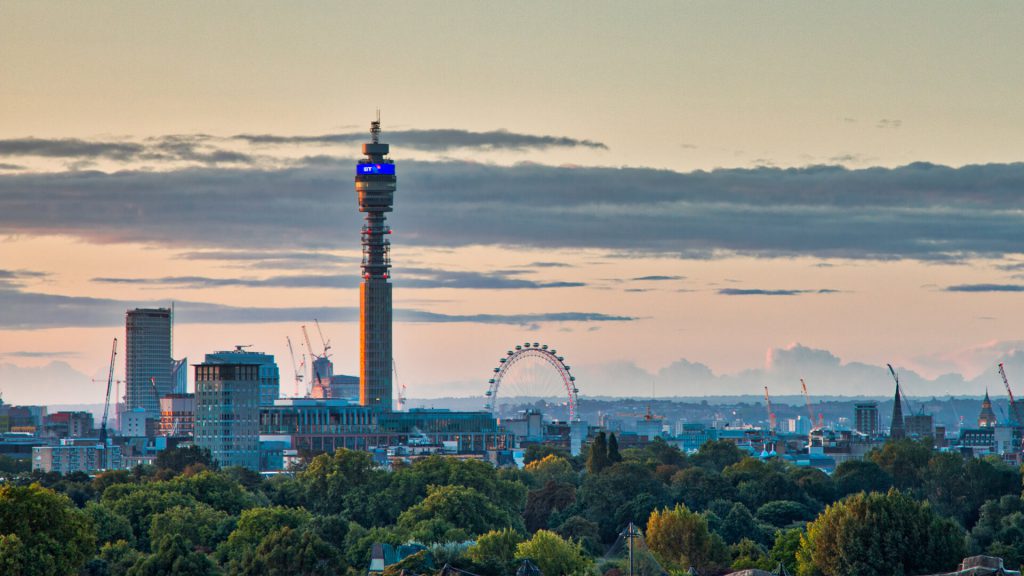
[[902, 510]]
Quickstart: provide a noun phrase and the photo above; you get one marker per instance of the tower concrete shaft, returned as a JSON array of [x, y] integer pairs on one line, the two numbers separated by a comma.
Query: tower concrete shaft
[[375, 190]]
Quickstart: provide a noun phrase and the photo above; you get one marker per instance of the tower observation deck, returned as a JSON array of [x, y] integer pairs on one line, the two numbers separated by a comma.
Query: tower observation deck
[[375, 190]]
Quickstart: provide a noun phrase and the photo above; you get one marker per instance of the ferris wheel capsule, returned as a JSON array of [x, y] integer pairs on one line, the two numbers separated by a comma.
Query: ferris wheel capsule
[[519, 347], [544, 347], [502, 360], [535, 345], [526, 344], [561, 358]]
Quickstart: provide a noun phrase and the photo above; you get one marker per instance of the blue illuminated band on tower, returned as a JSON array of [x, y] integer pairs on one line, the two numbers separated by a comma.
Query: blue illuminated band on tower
[[375, 190]]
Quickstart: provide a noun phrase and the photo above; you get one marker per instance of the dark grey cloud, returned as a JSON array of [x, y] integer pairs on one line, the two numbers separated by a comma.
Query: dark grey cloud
[[199, 282], [762, 292], [29, 310], [406, 278], [193, 148], [439, 140], [181, 148], [986, 288], [70, 148], [6, 166], [919, 211], [231, 255], [657, 278], [548, 265]]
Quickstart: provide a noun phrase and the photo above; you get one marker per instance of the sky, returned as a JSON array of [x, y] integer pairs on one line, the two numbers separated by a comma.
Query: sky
[[682, 197]]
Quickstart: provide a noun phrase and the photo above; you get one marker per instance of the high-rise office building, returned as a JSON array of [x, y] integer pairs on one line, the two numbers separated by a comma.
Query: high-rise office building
[[865, 418], [270, 378], [227, 413], [375, 191], [148, 362], [179, 374]]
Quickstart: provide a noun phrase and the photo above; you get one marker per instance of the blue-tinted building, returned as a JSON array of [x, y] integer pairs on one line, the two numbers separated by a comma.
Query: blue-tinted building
[[227, 412], [269, 377], [313, 425]]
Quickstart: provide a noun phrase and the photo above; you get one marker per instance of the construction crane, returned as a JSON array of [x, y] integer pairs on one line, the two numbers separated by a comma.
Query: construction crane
[[313, 355], [106, 400], [771, 413], [902, 391], [401, 389], [810, 411], [326, 343], [299, 377], [1015, 416]]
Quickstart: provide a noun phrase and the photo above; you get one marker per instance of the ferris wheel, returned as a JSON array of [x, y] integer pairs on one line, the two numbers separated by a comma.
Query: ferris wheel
[[533, 370]]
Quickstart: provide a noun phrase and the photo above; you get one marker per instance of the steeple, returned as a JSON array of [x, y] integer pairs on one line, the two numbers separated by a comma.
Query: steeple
[[896, 429], [987, 418]]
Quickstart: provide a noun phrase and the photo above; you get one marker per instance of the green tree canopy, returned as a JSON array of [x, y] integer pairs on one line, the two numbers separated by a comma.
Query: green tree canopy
[[597, 457], [174, 557], [680, 539], [550, 468], [880, 535], [42, 533], [553, 555], [457, 507], [540, 503], [290, 552]]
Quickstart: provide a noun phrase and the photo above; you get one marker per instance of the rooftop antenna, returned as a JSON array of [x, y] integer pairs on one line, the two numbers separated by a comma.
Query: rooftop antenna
[[375, 128]]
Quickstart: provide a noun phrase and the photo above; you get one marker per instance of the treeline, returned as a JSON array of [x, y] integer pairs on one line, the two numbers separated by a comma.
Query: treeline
[[904, 509]]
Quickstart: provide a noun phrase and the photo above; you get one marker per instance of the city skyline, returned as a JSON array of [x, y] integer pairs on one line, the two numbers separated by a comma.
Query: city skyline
[[685, 236]]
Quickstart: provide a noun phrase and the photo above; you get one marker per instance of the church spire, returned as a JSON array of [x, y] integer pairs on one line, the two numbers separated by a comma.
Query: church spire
[[896, 429]]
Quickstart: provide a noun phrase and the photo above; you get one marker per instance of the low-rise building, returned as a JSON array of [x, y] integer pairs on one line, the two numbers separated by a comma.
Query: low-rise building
[[76, 455]]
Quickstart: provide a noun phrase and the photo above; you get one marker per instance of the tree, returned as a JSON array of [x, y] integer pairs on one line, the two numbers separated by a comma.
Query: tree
[[614, 497], [905, 461], [716, 455], [42, 533], [178, 458], [782, 513], [459, 507], [110, 526], [787, 542], [879, 535], [553, 555], [747, 554], [581, 530], [254, 525], [739, 524], [597, 459], [139, 502], [201, 526], [550, 468], [495, 551], [999, 529], [679, 539], [854, 476], [290, 552], [174, 557], [540, 451], [613, 450], [116, 560], [541, 503], [696, 487]]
